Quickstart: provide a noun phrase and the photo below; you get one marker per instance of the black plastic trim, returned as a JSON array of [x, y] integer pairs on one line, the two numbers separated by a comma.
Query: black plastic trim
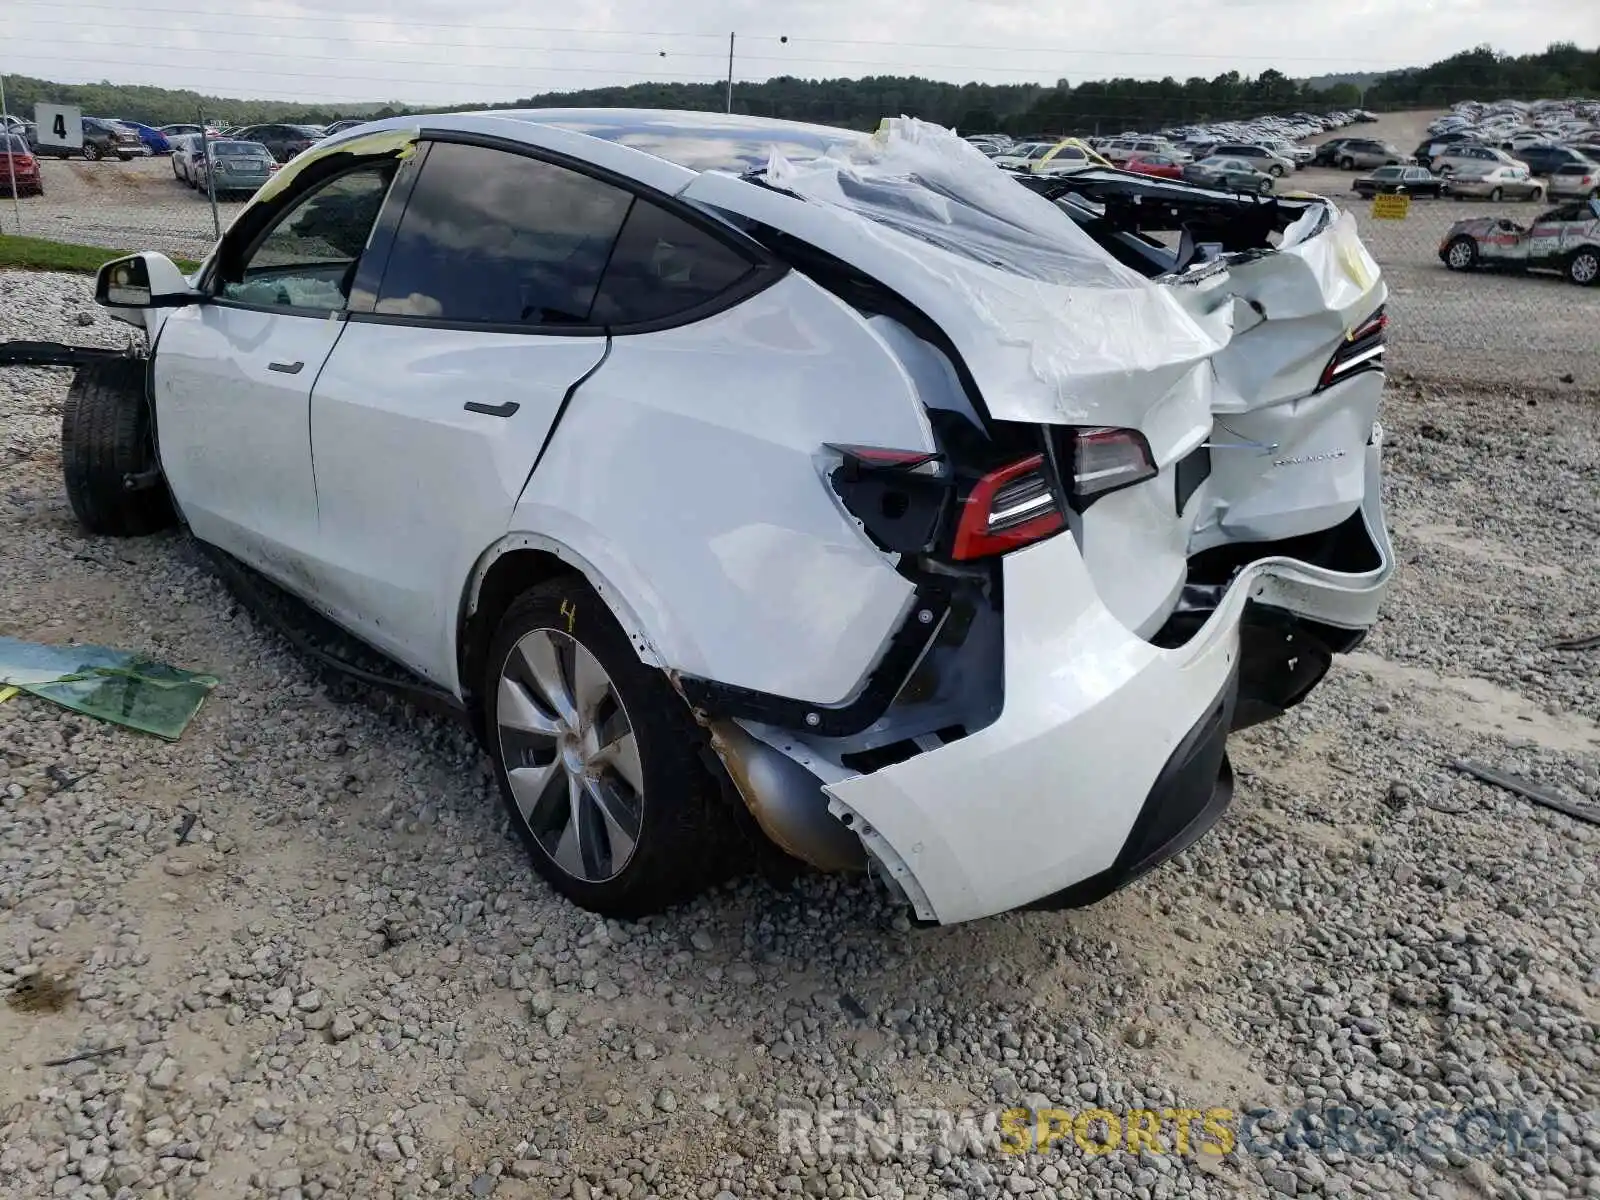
[[1189, 796], [56, 354], [906, 648]]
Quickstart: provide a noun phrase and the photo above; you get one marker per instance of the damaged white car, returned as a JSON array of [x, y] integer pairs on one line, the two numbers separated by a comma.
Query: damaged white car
[[722, 469]]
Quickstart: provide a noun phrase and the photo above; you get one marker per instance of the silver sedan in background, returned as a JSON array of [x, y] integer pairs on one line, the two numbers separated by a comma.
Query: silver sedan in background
[[1496, 183]]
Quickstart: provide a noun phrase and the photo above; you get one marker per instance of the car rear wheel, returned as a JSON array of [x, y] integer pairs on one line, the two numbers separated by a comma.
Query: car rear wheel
[[108, 452], [1461, 254], [1497, 195], [1347, 164], [1583, 268], [599, 759]]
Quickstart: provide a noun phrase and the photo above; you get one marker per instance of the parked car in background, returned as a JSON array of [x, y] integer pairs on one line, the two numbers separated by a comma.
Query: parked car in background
[[1119, 150], [1474, 157], [185, 146], [20, 165], [1163, 166], [1297, 154], [1327, 153], [283, 142], [231, 167], [1574, 181], [1268, 162], [1433, 147], [1069, 156], [1498, 182], [1543, 158], [1024, 155], [1232, 174], [102, 138], [155, 141], [1366, 153], [1414, 181], [341, 126], [1565, 239]]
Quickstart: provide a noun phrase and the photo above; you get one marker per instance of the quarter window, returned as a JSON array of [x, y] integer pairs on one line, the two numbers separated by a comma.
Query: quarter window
[[663, 266], [308, 259]]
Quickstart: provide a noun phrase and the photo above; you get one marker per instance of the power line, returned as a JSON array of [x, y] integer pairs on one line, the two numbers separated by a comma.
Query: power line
[[1058, 51], [475, 68]]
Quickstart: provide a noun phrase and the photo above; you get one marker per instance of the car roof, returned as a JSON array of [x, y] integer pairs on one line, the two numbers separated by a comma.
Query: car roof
[[696, 141]]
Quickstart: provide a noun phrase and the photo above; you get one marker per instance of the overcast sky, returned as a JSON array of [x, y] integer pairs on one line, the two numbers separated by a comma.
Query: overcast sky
[[438, 51]]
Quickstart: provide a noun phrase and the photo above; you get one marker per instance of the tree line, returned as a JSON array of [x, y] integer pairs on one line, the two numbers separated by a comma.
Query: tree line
[[1099, 106]]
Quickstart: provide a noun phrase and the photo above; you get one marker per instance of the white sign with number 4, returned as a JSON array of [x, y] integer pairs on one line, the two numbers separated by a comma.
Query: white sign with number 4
[[59, 125]]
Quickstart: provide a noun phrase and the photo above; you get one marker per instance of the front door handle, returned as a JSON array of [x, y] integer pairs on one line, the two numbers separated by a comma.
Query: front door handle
[[492, 410], [286, 368]]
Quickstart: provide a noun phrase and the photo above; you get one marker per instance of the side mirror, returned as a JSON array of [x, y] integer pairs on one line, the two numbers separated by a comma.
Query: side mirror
[[147, 280]]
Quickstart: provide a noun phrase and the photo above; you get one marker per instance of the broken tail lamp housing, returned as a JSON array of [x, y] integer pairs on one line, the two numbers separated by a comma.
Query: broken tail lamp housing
[[1361, 350], [902, 497]]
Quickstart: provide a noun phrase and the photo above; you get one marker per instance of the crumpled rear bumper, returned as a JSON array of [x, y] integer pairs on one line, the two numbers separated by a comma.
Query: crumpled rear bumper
[[1108, 755]]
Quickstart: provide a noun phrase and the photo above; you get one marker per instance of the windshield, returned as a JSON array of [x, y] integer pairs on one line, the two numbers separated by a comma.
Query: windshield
[[13, 144], [310, 131]]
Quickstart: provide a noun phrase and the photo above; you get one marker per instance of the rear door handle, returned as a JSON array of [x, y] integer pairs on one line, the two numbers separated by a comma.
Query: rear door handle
[[286, 368], [492, 410]]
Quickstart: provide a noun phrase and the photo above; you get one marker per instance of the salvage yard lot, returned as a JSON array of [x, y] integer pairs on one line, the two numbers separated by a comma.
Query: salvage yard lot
[[1477, 328], [348, 984]]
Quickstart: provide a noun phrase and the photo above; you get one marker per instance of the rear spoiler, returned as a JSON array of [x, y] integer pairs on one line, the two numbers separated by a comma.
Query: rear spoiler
[[57, 354]]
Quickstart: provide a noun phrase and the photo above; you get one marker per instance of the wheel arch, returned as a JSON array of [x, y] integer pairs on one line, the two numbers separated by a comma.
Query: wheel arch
[[521, 560]]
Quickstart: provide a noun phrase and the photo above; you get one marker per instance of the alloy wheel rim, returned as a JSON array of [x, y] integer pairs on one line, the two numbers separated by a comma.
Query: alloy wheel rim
[[1460, 255], [1585, 267], [571, 755]]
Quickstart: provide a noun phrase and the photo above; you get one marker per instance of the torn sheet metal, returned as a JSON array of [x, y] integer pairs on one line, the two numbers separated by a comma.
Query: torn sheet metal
[[1062, 326], [112, 685]]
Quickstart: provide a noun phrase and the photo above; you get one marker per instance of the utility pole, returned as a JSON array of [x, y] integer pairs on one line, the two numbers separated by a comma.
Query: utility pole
[[7, 135], [729, 107]]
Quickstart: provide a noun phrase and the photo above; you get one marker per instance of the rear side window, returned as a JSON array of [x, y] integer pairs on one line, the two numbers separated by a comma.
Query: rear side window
[[497, 238], [663, 266]]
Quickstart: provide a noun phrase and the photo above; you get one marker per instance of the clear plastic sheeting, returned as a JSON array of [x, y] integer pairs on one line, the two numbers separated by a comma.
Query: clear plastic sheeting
[[112, 685], [1044, 291]]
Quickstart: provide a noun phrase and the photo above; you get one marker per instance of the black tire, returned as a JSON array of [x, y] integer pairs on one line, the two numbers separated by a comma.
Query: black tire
[[91, 152], [686, 829], [106, 435], [1583, 268], [1264, 186], [1458, 260], [1497, 194], [1347, 164]]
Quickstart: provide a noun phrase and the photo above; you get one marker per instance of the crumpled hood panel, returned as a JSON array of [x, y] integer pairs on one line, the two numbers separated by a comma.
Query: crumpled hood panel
[[1052, 327]]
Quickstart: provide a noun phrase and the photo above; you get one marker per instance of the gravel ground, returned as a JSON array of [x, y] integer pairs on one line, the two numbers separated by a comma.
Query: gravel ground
[[348, 984]]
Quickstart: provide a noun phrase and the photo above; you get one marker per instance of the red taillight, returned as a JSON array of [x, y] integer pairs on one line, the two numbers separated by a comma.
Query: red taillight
[[1361, 350], [1007, 508]]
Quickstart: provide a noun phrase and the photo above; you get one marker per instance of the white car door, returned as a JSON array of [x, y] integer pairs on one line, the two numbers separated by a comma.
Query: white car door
[[446, 383], [233, 375]]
